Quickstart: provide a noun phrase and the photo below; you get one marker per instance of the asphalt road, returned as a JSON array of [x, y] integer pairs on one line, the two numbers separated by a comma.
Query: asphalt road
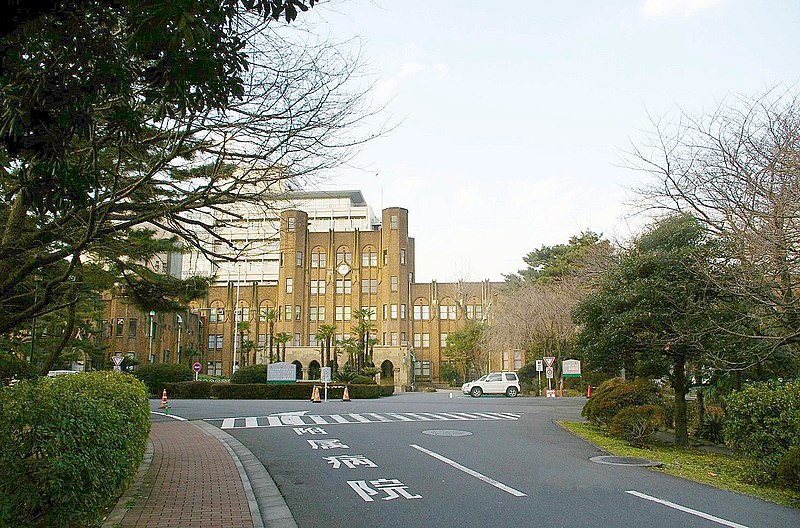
[[429, 460]]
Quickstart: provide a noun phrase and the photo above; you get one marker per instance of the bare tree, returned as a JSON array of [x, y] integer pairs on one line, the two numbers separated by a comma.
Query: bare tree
[[737, 170]]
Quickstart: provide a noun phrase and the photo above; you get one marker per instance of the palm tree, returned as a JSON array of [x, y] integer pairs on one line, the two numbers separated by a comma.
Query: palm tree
[[272, 316], [362, 330], [282, 338], [325, 335]]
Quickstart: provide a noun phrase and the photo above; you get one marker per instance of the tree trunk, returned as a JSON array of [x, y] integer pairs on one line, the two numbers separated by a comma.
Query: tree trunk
[[68, 333], [679, 383]]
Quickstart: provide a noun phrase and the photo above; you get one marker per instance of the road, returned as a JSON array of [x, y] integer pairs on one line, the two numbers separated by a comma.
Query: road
[[429, 459]]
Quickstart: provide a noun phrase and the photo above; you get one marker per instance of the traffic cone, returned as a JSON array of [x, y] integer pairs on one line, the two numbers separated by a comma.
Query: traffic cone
[[315, 395], [163, 400], [345, 394], [589, 392]]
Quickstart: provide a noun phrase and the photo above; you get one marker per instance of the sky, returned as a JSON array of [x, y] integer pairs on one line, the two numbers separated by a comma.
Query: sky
[[513, 118]]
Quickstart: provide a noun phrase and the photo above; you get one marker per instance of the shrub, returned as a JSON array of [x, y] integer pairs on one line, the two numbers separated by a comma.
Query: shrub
[[363, 380], [294, 391], [616, 394], [636, 423], [345, 376], [11, 367], [155, 376], [789, 468], [762, 423], [711, 428], [68, 446], [250, 374], [528, 373], [189, 389], [450, 373]]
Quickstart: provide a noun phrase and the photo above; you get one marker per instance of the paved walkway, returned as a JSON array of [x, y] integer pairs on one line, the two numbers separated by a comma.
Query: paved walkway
[[195, 475]]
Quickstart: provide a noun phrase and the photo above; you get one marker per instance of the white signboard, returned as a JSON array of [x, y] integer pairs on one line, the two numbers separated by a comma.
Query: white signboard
[[571, 368], [539, 365], [281, 372], [549, 372], [550, 361], [325, 375]]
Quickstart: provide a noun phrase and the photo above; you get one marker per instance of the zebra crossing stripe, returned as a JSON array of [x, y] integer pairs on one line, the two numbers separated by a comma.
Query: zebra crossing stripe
[[227, 423], [318, 419], [339, 419], [400, 417], [359, 418], [274, 421], [293, 420], [378, 417], [251, 422], [436, 416], [454, 416], [490, 416], [419, 417]]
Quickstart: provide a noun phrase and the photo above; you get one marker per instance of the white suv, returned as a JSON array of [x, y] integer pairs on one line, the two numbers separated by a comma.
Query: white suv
[[493, 383]]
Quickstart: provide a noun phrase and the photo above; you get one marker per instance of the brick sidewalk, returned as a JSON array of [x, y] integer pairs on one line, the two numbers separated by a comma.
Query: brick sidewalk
[[192, 482]]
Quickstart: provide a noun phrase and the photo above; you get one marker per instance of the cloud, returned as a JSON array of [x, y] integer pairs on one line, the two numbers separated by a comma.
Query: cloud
[[684, 8]]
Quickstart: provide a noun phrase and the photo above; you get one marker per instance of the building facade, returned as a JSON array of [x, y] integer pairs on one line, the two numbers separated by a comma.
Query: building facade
[[322, 258]]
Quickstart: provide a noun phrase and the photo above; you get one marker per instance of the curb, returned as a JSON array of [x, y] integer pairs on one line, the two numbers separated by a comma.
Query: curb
[[267, 506], [119, 511]]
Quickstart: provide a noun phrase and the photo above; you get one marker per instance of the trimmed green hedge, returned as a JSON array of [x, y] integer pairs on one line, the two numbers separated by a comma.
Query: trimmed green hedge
[[258, 391], [11, 367], [68, 446], [250, 374], [190, 390], [156, 376], [762, 422], [616, 394]]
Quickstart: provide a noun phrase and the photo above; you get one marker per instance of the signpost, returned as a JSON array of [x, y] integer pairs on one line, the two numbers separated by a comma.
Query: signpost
[[325, 377], [197, 367], [550, 360], [539, 369]]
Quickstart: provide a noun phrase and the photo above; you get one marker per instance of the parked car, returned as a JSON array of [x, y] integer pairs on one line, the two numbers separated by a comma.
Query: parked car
[[493, 383]]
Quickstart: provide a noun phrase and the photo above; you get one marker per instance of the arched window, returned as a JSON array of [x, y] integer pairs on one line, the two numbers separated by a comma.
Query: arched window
[[343, 254], [216, 312], [319, 258], [448, 311], [422, 309], [369, 257]]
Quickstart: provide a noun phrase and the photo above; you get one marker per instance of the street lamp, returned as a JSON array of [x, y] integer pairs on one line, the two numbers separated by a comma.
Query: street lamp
[[150, 345], [178, 347]]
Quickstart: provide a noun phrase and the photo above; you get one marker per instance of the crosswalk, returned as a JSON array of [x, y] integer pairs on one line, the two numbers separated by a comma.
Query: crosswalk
[[294, 420]]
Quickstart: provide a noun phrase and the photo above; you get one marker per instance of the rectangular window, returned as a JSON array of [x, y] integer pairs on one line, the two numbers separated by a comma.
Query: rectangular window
[[470, 311], [262, 314], [287, 312], [131, 327], [365, 259], [426, 340], [506, 360], [344, 286], [422, 312], [384, 339], [373, 313], [451, 312], [394, 283], [403, 341], [385, 257], [120, 326], [443, 312], [281, 259], [312, 313], [394, 311], [443, 340], [298, 311], [323, 260], [297, 340], [342, 313], [385, 311], [517, 359], [289, 285], [402, 257], [315, 260], [317, 287], [321, 313], [343, 255], [212, 341], [312, 340], [290, 224], [373, 259], [394, 339], [417, 340], [402, 311], [262, 340], [393, 222], [299, 258], [478, 311], [365, 286]]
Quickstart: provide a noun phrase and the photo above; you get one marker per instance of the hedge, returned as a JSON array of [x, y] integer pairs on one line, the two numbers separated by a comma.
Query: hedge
[[155, 376], [190, 390], [616, 394], [250, 374], [68, 446], [762, 423], [259, 391]]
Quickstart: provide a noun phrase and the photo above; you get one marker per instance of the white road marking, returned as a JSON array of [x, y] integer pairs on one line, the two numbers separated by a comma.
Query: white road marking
[[297, 419], [687, 510], [174, 417], [471, 472]]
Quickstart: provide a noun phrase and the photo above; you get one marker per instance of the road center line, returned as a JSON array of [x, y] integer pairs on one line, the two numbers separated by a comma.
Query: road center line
[[471, 472], [687, 510]]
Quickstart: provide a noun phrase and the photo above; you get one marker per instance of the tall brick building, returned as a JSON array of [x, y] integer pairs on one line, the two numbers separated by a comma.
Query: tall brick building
[[321, 257]]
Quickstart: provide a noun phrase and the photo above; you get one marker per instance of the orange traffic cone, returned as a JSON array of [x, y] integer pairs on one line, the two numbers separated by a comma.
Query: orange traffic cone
[[589, 392], [315, 395], [345, 394], [163, 400]]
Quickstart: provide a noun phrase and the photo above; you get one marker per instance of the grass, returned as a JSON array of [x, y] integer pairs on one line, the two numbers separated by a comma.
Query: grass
[[721, 471]]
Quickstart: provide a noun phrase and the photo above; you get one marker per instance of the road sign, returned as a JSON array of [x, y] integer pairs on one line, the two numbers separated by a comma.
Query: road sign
[[325, 375], [551, 393], [117, 360], [197, 367], [549, 372], [550, 361], [571, 368], [539, 365]]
